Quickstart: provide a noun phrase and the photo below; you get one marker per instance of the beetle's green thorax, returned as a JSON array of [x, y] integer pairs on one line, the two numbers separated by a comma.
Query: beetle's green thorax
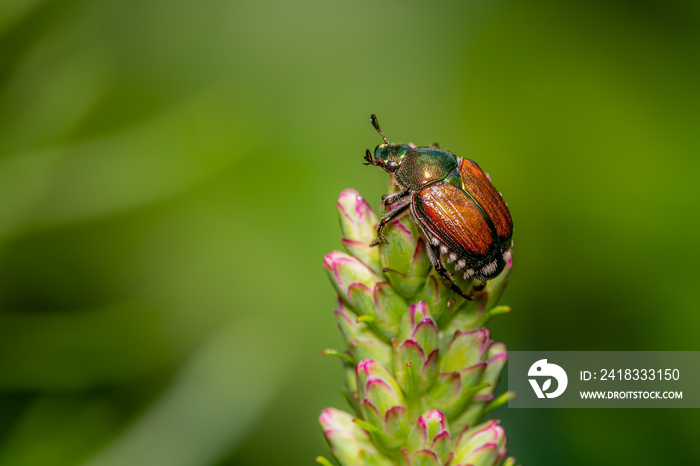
[[390, 156], [424, 165]]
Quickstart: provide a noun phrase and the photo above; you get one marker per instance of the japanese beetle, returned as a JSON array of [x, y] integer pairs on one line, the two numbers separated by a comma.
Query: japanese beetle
[[460, 213]]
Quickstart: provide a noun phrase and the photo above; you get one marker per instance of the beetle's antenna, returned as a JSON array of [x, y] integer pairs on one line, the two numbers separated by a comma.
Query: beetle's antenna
[[375, 123]]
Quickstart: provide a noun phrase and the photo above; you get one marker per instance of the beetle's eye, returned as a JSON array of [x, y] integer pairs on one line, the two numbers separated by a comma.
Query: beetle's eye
[[391, 165]]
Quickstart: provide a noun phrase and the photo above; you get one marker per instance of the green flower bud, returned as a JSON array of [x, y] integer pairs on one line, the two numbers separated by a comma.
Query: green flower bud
[[382, 403], [350, 444], [417, 325], [483, 445], [362, 342], [347, 272], [497, 356], [445, 394], [403, 257], [357, 222], [496, 360], [465, 349], [389, 308], [416, 351], [461, 370], [429, 438], [361, 289]]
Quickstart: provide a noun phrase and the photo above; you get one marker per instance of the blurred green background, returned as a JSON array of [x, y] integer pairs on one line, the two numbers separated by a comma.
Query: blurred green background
[[168, 177]]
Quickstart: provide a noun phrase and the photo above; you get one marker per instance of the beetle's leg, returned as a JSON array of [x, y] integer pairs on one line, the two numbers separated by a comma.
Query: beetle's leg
[[445, 275], [435, 145], [389, 199], [481, 285], [388, 217]]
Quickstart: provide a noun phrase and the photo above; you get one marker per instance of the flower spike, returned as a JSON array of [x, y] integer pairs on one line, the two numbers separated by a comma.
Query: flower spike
[[420, 367]]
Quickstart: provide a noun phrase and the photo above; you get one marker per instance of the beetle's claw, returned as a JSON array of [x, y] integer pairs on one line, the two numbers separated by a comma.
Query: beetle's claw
[[379, 239], [447, 280], [468, 296]]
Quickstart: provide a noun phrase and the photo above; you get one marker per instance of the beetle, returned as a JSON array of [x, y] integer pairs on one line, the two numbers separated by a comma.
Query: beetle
[[460, 213]]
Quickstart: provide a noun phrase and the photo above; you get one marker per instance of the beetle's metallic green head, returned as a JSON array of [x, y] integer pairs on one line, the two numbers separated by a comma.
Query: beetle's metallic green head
[[386, 156]]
